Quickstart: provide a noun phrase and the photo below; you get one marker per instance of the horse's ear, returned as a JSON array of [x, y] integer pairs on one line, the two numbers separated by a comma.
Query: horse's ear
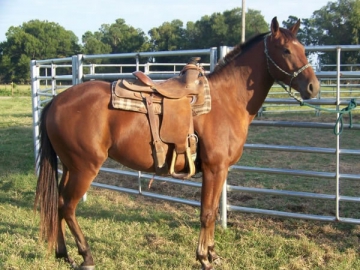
[[294, 29], [274, 27]]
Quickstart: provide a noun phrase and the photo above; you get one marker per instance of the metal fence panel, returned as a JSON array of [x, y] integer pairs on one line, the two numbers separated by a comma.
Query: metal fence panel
[[41, 95]]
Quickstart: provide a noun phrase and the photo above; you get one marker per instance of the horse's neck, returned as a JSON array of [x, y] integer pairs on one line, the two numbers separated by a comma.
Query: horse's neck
[[244, 80]]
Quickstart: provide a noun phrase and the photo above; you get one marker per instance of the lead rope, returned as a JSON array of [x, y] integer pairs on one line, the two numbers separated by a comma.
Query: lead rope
[[351, 106]]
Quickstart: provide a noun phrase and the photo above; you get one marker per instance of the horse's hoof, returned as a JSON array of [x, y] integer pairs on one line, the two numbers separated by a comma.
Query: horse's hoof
[[207, 266], [217, 260], [86, 267]]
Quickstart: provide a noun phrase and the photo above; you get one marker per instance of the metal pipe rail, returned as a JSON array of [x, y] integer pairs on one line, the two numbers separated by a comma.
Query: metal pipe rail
[[149, 54], [117, 76], [51, 61], [302, 149], [264, 123], [314, 101], [334, 74], [139, 191], [325, 175]]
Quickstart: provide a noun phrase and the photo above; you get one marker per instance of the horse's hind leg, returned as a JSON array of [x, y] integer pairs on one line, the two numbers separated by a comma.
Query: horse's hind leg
[[60, 249], [73, 190]]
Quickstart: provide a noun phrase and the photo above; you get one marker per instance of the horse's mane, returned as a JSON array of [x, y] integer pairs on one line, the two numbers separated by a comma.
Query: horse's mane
[[243, 47], [238, 50]]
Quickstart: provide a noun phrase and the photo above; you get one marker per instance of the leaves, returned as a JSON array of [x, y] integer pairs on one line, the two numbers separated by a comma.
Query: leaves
[[34, 40], [337, 23]]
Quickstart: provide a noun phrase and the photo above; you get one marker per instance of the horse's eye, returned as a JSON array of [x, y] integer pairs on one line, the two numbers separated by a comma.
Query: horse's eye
[[287, 51]]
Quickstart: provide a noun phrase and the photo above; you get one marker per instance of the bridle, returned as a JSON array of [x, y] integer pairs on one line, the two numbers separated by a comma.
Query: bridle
[[293, 75]]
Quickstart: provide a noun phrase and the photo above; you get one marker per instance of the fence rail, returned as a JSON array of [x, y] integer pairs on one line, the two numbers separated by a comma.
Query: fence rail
[[77, 65]]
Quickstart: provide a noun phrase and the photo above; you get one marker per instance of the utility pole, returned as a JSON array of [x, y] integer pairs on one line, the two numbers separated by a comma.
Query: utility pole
[[243, 22]]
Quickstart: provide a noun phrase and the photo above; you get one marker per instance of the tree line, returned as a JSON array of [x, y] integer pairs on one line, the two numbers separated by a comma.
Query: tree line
[[337, 23]]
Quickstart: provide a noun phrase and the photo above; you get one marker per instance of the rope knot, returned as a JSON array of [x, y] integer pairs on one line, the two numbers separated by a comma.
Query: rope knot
[[352, 105]]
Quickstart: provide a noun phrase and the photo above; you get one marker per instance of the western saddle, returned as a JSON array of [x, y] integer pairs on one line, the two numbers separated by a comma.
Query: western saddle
[[176, 100]]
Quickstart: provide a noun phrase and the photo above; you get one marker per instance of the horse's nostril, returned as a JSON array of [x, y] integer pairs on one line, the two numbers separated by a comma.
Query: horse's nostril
[[311, 88]]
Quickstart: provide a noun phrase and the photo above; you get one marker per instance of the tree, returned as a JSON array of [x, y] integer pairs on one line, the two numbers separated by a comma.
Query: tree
[[255, 24], [93, 44], [117, 38], [337, 23], [169, 36], [123, 38], [224, 29], [34, 40], [215, 30]]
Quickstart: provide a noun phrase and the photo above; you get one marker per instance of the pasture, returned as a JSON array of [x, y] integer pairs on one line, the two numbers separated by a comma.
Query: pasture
[[15, 90], [133, 232]]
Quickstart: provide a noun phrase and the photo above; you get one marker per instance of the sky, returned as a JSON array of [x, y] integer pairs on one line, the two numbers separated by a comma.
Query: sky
[[80, 16]]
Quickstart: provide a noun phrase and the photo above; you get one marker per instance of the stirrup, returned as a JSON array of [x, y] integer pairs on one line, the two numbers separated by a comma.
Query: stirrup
[[190, 161]]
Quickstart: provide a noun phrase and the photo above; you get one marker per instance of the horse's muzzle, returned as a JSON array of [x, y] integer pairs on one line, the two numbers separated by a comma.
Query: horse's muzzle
[[313, 88]]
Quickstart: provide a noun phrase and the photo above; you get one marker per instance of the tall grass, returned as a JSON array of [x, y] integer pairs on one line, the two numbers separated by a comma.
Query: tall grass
[[15, 90], [132, 232]]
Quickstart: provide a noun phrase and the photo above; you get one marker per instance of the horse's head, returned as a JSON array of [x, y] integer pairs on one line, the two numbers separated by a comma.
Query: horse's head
[[287, 61]]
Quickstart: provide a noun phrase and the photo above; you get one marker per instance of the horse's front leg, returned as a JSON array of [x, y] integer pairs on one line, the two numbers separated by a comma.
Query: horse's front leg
[[213, 180]]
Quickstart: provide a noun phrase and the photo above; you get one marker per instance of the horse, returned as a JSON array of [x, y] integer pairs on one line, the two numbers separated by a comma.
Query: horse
[[80, 127]]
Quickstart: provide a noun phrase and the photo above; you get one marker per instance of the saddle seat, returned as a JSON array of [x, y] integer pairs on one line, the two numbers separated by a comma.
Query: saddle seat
[[176, 87]]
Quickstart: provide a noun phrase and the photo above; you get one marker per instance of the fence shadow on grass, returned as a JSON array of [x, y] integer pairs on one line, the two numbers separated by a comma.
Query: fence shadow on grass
[[340, 235]]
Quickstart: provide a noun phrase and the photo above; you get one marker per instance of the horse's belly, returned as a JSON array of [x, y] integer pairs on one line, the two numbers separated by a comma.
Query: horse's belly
[[133, 153], [132, 142], [133, 145]]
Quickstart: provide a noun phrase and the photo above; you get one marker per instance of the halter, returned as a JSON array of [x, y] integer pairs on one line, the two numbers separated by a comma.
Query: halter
[[293, 75]]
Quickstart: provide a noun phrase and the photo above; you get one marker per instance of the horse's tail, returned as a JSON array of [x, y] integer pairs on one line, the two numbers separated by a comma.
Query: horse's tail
[[47, 194]]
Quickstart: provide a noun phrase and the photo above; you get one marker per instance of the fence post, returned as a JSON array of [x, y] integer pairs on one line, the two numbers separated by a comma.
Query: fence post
[[223, 206], [53, 80], [80, 71], [137, 62], [35, 85], [213, 58], [74, 69], [147, 68], [338, 62]]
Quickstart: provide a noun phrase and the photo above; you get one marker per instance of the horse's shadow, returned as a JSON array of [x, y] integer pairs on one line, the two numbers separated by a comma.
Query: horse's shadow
[[134, 214]]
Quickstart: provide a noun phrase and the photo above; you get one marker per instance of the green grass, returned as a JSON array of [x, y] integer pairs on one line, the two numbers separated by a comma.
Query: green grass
[[15, 90], [133, 232]]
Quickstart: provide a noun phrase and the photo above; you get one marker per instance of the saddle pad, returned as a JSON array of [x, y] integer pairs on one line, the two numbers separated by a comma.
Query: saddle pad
[[131, 101], [124, 101], [206, 106]]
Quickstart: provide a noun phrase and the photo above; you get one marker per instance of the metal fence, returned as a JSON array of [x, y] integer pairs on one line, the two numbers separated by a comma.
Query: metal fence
[[47, 85]]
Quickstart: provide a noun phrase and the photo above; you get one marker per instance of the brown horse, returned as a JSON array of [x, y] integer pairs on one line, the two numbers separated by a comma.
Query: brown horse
[[82, 129]]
